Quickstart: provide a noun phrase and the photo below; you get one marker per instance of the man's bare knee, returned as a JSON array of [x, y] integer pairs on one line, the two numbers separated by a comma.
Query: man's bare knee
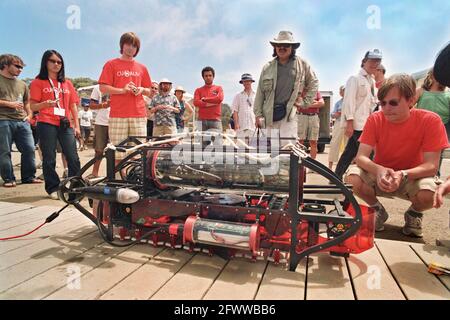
[[423, 200]]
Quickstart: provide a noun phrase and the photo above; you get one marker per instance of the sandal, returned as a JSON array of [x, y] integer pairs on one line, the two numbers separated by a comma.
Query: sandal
[[33, 181], [9, 184]]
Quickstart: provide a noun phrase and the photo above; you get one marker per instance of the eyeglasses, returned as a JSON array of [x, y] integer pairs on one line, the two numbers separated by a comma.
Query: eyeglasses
[[18, 66], [282, 45], [393, 103], [55, 61]]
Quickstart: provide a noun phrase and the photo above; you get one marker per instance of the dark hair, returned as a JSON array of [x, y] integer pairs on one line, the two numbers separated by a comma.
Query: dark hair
[[274, 54], [8, 59], [130, 38], [442, 66], [43, 73], [405, 84], [206, 69]]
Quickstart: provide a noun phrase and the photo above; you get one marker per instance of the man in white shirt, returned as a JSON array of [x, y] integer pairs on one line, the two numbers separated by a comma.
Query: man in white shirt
[[242, 107], [85, 117], [359, 101], [101, 103]]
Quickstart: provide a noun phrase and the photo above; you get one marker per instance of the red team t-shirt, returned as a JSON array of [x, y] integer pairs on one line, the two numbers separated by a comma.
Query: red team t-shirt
[[400, 146], [118, 73], [314, 110], [214, 94], [41, 90]]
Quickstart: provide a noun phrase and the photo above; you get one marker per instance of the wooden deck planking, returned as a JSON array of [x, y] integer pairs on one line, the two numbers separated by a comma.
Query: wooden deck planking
[[411, 273], [280, 284], [371, 278], [193, 280], [65, 237], [239, 280], [39, 235], [32, 267], [34, 217], [439, 255], [152, 276], [55, 278], [7, 208], [328, 278], [105, 276]]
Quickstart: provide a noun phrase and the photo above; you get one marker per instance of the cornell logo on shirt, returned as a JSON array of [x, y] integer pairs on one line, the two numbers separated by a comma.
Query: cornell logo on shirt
[[128, 73], [50, 90]]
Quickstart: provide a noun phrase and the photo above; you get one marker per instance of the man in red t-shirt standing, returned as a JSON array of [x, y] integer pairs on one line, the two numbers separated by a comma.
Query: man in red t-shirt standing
[[407, 144], [308, 125], [208, 99], [126, 80]]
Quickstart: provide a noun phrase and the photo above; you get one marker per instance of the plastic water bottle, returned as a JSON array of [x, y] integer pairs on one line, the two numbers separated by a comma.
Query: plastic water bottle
[[20, 100]]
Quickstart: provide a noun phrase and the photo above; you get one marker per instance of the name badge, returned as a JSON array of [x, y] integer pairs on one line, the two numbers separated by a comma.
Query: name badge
[[59, 112]]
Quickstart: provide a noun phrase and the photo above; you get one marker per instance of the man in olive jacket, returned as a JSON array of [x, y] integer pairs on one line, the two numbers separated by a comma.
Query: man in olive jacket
[[286, 86]]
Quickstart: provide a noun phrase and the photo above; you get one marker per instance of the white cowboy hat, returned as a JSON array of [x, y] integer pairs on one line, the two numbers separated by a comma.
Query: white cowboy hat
[[165, 80], [180, 88], [285, 37]]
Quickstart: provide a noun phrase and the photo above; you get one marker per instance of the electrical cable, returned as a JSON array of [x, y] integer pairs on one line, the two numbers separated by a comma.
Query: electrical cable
[[49, 219]]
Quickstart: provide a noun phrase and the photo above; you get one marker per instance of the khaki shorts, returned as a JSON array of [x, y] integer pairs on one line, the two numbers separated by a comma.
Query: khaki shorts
[[406, 190], [101, 137], [283, 129], [122, 128], [162, 130], [308, 127]]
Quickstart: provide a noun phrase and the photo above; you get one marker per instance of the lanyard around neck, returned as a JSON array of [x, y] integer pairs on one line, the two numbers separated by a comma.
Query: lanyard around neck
[[56, 92]]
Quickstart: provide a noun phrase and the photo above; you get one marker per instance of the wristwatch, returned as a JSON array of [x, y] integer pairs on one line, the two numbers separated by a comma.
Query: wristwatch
[[405, 175]]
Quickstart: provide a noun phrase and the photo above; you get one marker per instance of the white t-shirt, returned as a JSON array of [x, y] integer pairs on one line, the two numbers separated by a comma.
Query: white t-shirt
[[85, 118], [102, 117]]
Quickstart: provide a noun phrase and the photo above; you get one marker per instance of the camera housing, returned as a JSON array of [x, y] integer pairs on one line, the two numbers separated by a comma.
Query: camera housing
[[64, 123]]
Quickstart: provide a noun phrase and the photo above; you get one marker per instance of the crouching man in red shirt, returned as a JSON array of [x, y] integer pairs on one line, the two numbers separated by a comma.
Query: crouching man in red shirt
[[407, 144]]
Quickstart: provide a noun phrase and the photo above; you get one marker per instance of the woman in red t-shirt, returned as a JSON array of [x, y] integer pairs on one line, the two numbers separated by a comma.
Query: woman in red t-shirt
[[56, 100]]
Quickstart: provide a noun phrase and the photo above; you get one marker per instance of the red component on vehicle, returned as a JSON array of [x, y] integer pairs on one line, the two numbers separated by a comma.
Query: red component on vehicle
[[173, 241], [359, 242], [155, 239], [364, 239], [276, 256], [138, 234], [149, 221], [188, 232], [152, 163], [123, 232], [263, 204], [251, 217], [173, 229]]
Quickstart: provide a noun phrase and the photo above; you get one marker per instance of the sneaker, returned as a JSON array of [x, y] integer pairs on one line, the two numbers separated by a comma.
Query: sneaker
[[380, 218], [413, 225], [54, 195]]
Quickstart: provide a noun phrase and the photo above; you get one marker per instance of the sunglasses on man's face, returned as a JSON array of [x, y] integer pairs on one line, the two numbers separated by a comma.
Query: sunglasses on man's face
[[393, 103], [55, 61], [18, 66], [282, 45]]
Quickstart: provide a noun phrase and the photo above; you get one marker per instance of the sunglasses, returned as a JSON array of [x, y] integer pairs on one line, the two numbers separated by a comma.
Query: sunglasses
[[55, 61], [393, 103], [282, 45], [18, 66]]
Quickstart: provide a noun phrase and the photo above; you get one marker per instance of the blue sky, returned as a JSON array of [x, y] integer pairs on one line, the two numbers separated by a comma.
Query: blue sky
[[179, 38]]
